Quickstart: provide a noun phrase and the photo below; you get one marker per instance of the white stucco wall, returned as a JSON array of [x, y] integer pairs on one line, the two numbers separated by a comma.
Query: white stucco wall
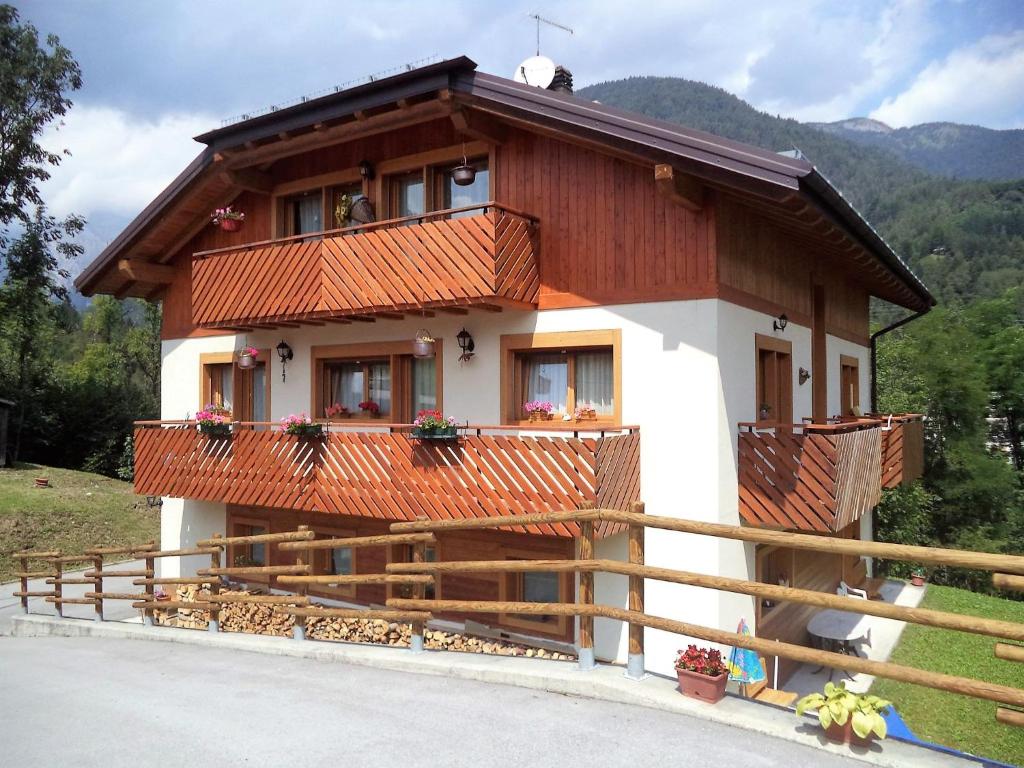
[[688, 378]]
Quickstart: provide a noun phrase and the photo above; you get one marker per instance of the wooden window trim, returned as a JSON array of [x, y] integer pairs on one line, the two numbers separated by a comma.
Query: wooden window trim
[[518, 343], [347, 591], [319, 355], [507, 593], [222, 358], [778, 346], [393, 549], [852, 363]]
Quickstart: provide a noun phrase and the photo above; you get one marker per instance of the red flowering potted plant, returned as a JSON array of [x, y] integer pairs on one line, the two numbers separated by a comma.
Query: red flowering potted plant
[[336, 411], [247, 357], [227, 219], [433, 425], [702, 673], [214, 421], [301, 426], [370, 408]]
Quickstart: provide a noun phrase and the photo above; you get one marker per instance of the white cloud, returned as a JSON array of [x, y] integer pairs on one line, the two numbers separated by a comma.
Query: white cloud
[[980, 83], [118, 162]]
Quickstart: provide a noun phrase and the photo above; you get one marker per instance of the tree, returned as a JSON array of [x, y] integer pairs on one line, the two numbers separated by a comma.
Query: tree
[[33, 279], [34, 83]]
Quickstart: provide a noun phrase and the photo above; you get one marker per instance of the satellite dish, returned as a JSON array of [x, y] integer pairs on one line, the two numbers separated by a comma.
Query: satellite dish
[[536, 70]]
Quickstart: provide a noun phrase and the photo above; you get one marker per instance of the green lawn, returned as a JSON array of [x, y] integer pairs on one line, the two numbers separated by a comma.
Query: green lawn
[[79, 511], [946, 718]]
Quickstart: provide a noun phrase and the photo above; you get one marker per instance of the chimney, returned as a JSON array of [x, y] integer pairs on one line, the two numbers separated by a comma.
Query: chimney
[[562, 81]]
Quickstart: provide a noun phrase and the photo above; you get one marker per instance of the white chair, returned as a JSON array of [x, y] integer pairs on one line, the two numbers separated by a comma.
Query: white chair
[[845, 590]]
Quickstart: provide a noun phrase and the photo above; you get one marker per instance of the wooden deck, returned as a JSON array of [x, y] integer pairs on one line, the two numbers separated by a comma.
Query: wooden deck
[[486, 257], [810, 477], [383, 472]]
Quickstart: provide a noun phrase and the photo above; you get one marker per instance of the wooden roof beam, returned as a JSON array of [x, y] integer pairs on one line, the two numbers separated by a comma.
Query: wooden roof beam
[[145, 271], [249, 180], [479, 126], [680, 188]]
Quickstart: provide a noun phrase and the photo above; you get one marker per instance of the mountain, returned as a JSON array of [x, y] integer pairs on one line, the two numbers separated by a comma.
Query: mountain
[[946, 149], [963, 237]]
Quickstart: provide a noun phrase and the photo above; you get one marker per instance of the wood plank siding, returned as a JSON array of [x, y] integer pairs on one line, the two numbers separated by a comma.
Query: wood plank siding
[[386, 474], [610, 237], [477, 259], [804, 479]]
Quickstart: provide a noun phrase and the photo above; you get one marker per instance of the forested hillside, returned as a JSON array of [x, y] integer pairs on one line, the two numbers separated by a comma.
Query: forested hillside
[[964, 238]]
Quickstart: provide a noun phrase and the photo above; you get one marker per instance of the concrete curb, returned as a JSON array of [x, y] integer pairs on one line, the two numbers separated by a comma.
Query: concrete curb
[[607, 683]]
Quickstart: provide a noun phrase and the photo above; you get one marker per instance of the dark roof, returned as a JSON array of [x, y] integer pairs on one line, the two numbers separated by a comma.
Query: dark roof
[[703, 154]]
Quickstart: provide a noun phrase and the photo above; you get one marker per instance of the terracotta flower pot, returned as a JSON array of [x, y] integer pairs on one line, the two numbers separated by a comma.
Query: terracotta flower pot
[[702, 687], [843, 734], [231, 225], [917, 581]]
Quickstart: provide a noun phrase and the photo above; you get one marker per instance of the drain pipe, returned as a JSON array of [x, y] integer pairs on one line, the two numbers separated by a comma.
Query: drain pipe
[[874, 353]]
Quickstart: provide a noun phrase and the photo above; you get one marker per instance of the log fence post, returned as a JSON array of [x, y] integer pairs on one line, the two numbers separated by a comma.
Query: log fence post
[[97, 586], [147, 612], [419, 592], [58, 588], [24, 584], [302, 557], [213, 625], [635, 664], [585, 654]]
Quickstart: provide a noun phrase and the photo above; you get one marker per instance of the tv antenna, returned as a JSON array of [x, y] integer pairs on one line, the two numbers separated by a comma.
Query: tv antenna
[[538, 18]]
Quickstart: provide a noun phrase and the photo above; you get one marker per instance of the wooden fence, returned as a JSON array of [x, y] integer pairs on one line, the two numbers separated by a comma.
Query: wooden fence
[[1008, 573]]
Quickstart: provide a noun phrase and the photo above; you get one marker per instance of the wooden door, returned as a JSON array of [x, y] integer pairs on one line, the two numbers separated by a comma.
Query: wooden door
[[774, 381]]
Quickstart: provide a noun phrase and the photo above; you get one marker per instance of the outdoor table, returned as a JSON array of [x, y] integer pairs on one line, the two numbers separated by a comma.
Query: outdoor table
[[838, 630]]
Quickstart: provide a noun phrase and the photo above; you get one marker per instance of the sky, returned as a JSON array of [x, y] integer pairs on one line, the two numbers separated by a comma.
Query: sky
[[157, 73]]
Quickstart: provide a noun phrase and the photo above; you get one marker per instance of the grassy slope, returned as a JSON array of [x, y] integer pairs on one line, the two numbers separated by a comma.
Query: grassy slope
[[946, 718], [81, 510]]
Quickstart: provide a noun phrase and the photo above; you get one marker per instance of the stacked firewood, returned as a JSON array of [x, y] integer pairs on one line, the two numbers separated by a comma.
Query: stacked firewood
[[261, 620]]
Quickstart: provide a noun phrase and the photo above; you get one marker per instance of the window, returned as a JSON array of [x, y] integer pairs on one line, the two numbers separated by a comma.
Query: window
[[254, 554], [304, 213], [774, 380], [402, 553], [456, 196], [570, 370], [568, 379], [218, 384], [351, 383], [535, 587], [386, 373], [339, 561], [408, 195], [849, 386]]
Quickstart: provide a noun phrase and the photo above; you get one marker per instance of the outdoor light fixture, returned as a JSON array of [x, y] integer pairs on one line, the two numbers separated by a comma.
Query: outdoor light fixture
[[366, 170], [285, 353], [466, 344], [804, 376], [781, 322]]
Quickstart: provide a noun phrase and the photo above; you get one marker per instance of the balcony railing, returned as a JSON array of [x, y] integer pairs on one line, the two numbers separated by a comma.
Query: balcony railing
[[902, 449], [479, 255], [383, 472], [812, 477]]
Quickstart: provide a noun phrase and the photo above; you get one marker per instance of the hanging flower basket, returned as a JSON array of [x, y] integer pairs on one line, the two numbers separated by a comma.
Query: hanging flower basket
[[247, 357], [423, 344], [227, 219]]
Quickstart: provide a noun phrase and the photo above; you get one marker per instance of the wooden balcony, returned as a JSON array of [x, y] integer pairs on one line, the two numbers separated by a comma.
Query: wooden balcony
[[811, 477], [486, 257], [383, 472], [902, 449]]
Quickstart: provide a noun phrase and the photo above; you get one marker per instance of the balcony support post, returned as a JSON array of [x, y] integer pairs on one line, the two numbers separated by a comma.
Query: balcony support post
[[585, 654], [213, 625], [419, 555]]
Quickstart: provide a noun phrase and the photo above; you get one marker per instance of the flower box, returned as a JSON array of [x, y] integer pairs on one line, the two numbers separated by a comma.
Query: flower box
[[302, 427], [433, 425], [540, 416], [703, 687], [448, 433], [216, 431]]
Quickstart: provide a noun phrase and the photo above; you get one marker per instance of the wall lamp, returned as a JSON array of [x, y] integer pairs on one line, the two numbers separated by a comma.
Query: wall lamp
[[285, 353], [781, 322], [466, 344], [366, 170]]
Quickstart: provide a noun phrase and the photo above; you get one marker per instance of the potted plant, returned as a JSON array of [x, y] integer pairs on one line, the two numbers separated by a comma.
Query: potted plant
[[918, 576], [343, 210], [336, 411], [847, 717], [764, 412], [370, 408], [432, 425], [423, 344], [161, 595], [301, 426], [227, 219], [214, 421], [247, 357], [586, 412], [702, 673], [538, 410]]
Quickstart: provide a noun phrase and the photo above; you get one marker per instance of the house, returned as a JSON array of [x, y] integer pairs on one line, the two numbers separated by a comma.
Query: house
[[694, 296]]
